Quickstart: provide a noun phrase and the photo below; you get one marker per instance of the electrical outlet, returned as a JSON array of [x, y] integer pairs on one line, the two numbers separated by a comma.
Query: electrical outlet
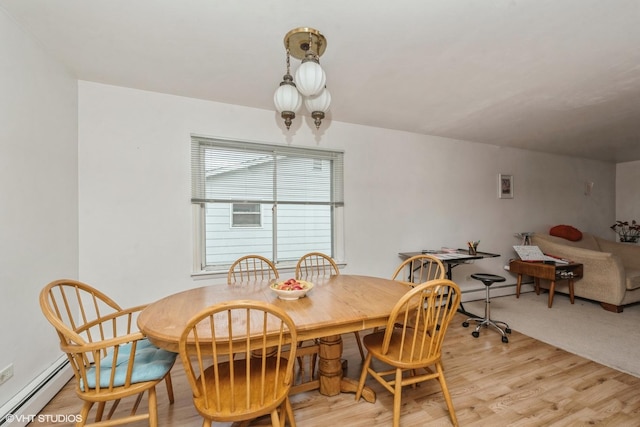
[[6, 373]]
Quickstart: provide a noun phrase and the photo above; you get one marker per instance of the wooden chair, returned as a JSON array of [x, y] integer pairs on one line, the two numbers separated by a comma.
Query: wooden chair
[[251, 268], [412, 342], [244, 371], [317, 264], [111, 360], [419, 269]]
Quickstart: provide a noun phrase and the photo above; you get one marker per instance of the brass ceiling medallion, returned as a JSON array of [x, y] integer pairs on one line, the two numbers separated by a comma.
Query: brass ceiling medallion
[[300, 40]]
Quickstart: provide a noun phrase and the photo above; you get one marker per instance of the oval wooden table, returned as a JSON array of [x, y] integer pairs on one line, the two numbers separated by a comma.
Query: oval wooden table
[[336, 305]]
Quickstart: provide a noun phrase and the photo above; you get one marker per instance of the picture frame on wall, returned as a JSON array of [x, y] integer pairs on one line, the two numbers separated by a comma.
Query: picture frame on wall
[[505, 186]]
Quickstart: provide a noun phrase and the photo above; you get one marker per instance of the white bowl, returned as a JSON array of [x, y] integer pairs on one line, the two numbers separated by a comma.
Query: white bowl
[[291, 294]]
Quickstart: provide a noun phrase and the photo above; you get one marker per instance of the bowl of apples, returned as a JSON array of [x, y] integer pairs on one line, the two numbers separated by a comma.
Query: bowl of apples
[[291, 289]]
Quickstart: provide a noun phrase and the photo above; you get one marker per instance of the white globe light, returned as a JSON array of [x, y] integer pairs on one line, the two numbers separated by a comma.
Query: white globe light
[[318, 105], [310, 78], [287, 98], [319, 102]]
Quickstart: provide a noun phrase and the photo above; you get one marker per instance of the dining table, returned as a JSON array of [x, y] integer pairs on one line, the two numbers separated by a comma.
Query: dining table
[[336, 305]]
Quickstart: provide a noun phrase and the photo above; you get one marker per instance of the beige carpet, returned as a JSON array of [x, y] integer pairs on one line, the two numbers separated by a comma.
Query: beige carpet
[[584, 328]]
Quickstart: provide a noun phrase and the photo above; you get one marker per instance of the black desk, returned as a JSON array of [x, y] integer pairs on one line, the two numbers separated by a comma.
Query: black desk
[[451, 260]]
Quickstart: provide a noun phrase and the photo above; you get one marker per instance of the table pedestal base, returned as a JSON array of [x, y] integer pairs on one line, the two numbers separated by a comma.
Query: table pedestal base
[[332, 382]]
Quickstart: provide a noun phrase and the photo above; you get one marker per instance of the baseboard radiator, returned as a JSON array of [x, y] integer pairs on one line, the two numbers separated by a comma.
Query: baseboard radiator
[[24, 407]]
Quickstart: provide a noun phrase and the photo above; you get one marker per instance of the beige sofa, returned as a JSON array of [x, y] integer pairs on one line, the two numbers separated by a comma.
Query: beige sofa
[[611, 269]]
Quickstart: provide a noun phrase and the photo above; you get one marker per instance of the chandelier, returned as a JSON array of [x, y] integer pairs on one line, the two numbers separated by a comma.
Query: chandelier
[[309, 86]]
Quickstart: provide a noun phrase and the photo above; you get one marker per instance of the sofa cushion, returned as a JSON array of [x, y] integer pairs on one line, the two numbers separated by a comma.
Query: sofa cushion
[[633, 279], [566, 232]]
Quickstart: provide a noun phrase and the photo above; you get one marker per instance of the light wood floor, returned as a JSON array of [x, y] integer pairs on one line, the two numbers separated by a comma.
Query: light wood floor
[[522, 383]]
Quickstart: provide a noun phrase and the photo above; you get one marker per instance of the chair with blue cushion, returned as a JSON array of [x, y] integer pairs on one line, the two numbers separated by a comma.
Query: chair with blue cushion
[[110, 358]]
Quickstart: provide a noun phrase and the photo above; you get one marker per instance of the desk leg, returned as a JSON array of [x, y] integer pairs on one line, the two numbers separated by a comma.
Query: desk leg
[[552, 290], [518, 284], [571, 296], [330, 370], [461, 307]]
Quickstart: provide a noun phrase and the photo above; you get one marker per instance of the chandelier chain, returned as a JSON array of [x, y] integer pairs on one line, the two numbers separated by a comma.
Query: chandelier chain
[[288, 62]]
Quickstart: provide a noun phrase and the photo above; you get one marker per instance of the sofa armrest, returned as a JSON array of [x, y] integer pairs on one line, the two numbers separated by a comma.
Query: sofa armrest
[[627, 252]]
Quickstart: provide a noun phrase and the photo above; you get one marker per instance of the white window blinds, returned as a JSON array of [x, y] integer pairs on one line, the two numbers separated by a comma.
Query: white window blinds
[[237, 171]]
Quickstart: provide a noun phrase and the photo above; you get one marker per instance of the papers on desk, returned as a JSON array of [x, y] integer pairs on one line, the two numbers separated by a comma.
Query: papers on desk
[[533, 253], [444, 255]]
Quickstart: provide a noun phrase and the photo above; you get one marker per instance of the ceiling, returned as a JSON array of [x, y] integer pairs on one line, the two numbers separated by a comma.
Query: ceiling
[[558, 76]]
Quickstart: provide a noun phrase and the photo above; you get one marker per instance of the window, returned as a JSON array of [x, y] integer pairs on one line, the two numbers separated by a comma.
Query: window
[[283, 201], [246, 215]]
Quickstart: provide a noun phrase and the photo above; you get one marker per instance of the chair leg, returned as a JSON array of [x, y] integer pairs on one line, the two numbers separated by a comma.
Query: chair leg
[[100, 410], [135, 405], [84, 414], [300, 360], [153, 407], [307, 360], [397, 398], [167, 380], [447, 395], [359, 344], [314, 363], [289, 409], [363, 375], [275, 419], [114, 406]]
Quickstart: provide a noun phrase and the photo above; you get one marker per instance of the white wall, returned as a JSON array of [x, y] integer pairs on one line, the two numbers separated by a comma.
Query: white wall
[[403, 191], [38, 199], [627, 191], [128, 227]]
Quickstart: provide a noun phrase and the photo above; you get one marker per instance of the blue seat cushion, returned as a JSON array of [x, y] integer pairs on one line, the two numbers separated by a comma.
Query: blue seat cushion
[[151, 363]]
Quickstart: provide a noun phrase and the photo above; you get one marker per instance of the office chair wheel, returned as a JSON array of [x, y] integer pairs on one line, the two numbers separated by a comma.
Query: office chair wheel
[[465, 324], [508, 330], [475, 334], [505, 339]]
